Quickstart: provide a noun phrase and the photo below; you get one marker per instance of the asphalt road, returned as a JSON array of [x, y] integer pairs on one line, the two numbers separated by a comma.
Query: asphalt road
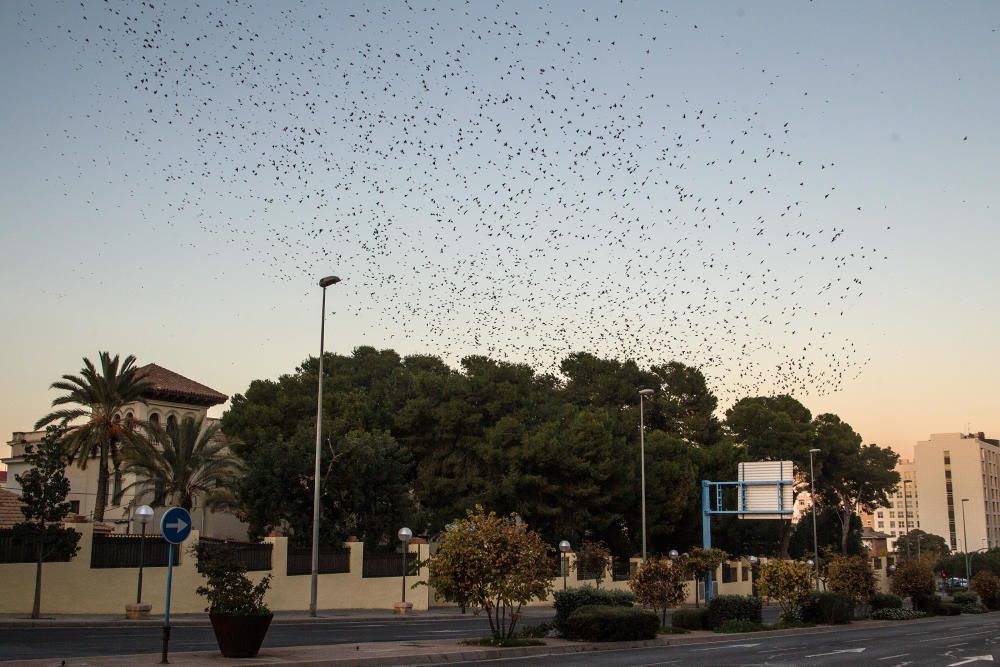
[[939, 642]]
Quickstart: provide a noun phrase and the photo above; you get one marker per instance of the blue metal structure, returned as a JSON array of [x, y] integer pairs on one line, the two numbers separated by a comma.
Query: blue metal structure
[[719, 507]]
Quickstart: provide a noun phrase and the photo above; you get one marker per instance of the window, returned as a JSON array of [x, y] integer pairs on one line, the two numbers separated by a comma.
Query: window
[[879, 515], [171, 421], [881, 524], [728, 573], [746, 573], [116, 493], [74, 506], [154, 418]]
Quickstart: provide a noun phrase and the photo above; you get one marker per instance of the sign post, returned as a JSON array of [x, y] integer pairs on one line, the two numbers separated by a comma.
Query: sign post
[[175, 526]]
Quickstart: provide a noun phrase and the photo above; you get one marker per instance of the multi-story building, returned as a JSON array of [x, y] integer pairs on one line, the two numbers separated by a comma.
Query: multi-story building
[[900, 516]]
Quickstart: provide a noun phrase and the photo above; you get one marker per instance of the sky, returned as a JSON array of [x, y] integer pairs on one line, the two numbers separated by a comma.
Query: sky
[[793, 197]]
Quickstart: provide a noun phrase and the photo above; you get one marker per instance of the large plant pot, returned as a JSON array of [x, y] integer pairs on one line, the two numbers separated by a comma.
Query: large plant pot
[[240, 636]]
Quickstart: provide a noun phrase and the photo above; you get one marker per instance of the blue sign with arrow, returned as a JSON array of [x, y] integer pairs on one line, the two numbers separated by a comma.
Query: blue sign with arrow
[[175, 525]]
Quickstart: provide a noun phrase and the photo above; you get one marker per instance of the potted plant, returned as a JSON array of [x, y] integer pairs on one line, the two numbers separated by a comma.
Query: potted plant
[[236, 607]]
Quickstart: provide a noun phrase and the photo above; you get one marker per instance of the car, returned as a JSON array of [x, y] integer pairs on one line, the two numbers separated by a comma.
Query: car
[[956, 582]]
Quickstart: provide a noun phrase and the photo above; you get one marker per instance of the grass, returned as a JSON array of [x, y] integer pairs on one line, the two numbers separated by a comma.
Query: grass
[[504, 643]]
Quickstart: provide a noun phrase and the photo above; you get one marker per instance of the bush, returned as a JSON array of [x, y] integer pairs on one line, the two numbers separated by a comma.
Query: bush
[[724, 608], [912, 578], [568, 601], [964, 597], [535, 631], [659, 584], [828, 608], [886, 601], [896, 614], [690, 619], [950, 609], [987, 585], [929, 603], [787, 582], [851, 576], [973, 608], [740, 625], [603, 623]]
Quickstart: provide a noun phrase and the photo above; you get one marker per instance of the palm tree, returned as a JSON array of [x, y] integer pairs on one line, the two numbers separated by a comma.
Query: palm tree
[[181, 463], [100, 395]]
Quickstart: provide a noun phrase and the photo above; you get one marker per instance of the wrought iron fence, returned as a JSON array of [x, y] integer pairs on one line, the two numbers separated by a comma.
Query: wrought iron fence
[[388, 565], [15, 551], [621, 569], [252, 556], [585, 574], [119, 550], [331, 560]]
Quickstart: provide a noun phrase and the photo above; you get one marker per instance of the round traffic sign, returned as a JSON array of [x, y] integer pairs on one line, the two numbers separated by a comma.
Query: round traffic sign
[[175, 525]]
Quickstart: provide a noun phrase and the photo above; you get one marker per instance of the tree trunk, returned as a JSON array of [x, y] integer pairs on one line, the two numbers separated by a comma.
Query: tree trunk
[[784, 539], [102, 487], [845, 529], [36, 609]]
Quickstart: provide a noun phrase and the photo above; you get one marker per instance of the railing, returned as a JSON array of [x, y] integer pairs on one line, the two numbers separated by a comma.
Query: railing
[[584, 574], [331, 560], [621, 569], [117, 550], [252, 556], [388, 565], [14, 551]]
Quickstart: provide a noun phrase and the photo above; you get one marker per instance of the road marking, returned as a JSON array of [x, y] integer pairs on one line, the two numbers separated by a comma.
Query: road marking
[[444, 631], [944, 639], [890, 657], [976, 658], [843, 650], [958, 644], [716, 648]]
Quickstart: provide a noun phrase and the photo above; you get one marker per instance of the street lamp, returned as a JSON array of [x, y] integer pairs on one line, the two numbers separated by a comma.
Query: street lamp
[[812, 497], [965, 543], [906, 517], [324, 283], [564, 549], [672, 554], [143, 516], [643, 393], [405, 535]]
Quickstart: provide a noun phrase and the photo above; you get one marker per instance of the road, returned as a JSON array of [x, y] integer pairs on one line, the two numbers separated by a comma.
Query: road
[[938, 642]]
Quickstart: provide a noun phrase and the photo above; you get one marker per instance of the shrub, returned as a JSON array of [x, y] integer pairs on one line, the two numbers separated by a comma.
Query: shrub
[[896, 614], [964, 597], [603, 623], [912, 578], [987, 585], [592, 560], [886, 601], [973, 608], [724, 608], [230, 591], [929, 603], [787, 582], [950, 609], [568, 601], [828, 608], [535, 631], [658, 583], [851, 576], [690, 619], [740, 625]]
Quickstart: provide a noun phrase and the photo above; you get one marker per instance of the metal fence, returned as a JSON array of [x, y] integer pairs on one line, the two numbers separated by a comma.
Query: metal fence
[[388, 565], [117, 550], [331, 560], [584, 574], [252, 556], [621, 569], [14, 551]]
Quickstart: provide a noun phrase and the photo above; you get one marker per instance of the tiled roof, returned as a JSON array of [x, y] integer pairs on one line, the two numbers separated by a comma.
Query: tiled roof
[[10, 509], [169, 385]]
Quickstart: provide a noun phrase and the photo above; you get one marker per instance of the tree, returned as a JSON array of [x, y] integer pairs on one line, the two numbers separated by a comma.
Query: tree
[[181, 464], [855, 478], [492, 563], [700, 562], [912, 578], [787, 582], [658, 583], [774, 428], [927, 545], [828, 534], [44, 488], [594, 558], [851, 576], [100, 395], [987, 586]]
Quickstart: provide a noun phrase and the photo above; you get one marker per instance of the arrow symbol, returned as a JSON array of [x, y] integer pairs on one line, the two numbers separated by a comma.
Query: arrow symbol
[[179, 525], [976, 658], [843, 650]]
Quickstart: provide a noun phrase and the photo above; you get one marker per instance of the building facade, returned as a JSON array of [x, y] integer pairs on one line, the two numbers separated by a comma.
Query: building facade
[[901, 515]]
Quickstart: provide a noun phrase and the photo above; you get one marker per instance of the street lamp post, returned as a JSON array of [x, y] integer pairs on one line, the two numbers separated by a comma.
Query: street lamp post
[[643, 393], [564, 550], [906, 517], [812, 497], [143, 515], [965, 543], [324, 283], [405, 535]]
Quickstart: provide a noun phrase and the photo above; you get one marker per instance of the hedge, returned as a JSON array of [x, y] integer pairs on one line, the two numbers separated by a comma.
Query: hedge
[[964, 597], [568, 601], [886, 601], [724, 608], [828, 608], [690, 619], [603, 623]]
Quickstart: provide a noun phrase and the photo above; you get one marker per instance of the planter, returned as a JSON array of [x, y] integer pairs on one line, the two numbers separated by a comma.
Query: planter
[[240, 636]]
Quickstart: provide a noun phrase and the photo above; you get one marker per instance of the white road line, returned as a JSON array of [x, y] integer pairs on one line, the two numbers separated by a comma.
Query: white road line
[[944, 639], [890, 657]]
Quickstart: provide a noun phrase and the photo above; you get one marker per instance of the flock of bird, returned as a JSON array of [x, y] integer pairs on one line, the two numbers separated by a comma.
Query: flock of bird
[[507, 179]]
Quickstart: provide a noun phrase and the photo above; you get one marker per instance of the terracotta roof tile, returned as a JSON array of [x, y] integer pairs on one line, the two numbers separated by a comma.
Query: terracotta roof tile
[[169, 385], [10, 508]]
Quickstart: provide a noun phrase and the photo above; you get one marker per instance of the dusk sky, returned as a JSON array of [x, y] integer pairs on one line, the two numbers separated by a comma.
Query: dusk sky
[[794, 197]]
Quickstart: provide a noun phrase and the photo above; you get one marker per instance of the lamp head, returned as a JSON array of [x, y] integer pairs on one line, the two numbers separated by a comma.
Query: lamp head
[[329, 280], [753, 560], [672, 554], [646, 392], [405, 534], [143, 514], [815, 451], [564, 546]]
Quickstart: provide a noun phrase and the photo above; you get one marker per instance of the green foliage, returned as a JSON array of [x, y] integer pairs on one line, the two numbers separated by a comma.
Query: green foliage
[[229, 590], [568, 601], [963, 597], [593, 558], [827, 608], [930, 546], [724, 608], [929, 603], [503, 643], [601, 623], [491, 563], [829, 534], [973, 608], [912, 578], [787, 582], [949, 609], [886, 601], [100, 397], [700, 562], [896, 614], [44, 488], [741, 625], [987, 585], [658, 583], [851, 576], [536, 631], [690, 619]]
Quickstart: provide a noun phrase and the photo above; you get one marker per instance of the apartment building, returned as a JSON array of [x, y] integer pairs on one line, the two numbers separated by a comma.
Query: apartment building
[[901, 515]]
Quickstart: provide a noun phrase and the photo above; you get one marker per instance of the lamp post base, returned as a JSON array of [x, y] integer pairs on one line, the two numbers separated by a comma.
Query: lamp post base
[[137, 612], [403, 608]]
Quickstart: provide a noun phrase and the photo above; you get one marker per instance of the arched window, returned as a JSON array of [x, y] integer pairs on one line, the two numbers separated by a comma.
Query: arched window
[[129, 417], [171, 421], [154, 418]]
